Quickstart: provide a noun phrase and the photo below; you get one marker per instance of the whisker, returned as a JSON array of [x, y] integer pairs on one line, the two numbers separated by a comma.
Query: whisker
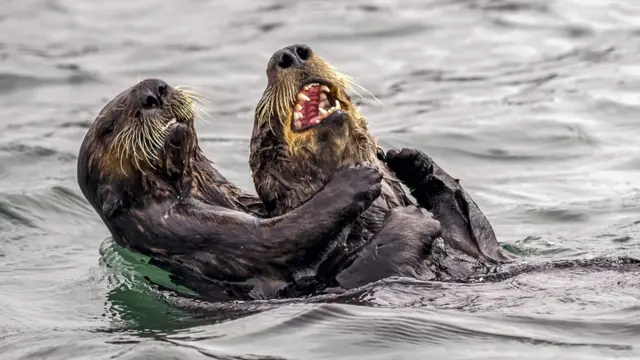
[[200, 109], [350, 82], [195, 95], [122, 149]]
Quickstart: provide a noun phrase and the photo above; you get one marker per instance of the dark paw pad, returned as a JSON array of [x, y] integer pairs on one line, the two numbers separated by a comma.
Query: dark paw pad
[[411, 166], [337, 118], [177, 135], [362, 173], [362, 182]]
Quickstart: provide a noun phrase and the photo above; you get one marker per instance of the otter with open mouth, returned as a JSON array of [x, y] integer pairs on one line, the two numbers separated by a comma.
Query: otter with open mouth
[[141, 169], [306, 127]]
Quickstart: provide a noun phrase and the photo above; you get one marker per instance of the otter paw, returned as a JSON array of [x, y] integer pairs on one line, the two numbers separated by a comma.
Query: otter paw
[[177, 135], [411, 166], [337, 118], [361, 182], [176, 145]]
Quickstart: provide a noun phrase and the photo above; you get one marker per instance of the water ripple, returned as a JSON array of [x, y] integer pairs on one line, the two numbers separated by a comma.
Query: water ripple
[[532, 104]]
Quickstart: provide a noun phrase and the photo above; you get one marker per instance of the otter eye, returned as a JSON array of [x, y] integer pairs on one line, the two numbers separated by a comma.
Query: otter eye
[[285, 61], [105, 128], [303, 53]]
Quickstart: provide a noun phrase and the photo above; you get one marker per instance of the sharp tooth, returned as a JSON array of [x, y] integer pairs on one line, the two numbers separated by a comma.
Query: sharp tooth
[[337, 105], [297, 116], [303, 97], [323, 112], [307, 87], [298, 124], [323, 96], [298, 107], [323, 104], [325, 88]]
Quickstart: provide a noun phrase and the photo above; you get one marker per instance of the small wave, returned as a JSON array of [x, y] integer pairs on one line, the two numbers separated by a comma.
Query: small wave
[[13, 82], [45, 209], [31, 153], [381, 331], [13, 213]]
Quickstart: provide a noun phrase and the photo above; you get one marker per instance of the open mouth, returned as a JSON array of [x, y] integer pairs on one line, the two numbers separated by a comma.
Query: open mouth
[[314, 103]]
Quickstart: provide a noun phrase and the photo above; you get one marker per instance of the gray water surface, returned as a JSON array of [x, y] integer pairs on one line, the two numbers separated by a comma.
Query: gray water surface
[[532, 104]]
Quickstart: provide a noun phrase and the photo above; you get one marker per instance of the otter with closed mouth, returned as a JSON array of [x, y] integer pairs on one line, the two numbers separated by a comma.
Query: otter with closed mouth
[[141, 169], [306, 127]]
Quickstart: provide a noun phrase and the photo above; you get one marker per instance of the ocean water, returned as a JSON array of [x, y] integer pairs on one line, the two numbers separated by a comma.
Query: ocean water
[[533, 104]]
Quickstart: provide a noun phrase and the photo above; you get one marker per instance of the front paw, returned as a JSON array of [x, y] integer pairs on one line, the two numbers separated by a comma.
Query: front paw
[[176, 149], [411, 166], [177, 135], [361, 182]]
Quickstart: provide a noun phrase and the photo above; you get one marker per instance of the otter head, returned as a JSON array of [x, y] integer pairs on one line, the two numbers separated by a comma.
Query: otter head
[[143, 138], [308, 112]]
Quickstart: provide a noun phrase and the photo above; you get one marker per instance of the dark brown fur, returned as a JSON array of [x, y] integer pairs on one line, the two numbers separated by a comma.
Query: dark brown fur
[[178, 209], [289, 166]]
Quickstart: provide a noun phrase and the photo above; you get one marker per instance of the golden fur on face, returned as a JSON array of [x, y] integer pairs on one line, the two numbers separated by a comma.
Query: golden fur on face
[[138, 138], [276, 105]]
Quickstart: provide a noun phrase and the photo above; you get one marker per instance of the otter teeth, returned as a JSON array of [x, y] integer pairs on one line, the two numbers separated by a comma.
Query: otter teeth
[[308, 86], [173, 121], [324, 107]]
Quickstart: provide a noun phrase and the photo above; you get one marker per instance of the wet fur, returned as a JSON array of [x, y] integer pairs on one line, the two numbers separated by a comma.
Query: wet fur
[[178, 209], [289, 167]]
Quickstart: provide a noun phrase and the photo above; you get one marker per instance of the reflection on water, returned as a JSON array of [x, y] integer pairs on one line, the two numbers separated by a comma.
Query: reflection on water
[[533, 104]]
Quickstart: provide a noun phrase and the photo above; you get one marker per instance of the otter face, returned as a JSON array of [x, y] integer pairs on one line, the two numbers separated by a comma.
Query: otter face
[[304, 93], [131, 131]]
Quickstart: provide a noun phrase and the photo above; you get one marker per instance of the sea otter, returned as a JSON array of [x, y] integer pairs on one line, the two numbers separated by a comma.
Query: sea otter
[[306, 127], [141, 169]]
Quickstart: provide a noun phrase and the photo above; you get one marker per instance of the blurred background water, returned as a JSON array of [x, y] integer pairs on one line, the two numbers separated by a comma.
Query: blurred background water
[[533, 104]]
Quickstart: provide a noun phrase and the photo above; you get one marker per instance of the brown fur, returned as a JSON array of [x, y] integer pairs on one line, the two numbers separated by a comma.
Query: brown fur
[[163, 198], [289, 166]]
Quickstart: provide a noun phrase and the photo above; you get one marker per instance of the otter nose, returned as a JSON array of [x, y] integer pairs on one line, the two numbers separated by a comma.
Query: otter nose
[[152, 92], [293, 56]]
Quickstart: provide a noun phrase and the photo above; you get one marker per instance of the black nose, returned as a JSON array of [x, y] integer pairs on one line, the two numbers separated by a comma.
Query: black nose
[[293, 56], [152, 93]]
